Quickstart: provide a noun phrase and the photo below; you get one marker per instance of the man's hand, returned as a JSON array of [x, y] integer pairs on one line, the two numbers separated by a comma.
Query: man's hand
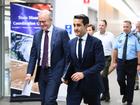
[[28, 77], [64, 81], [138, 68], [77, 76], [114, 65]]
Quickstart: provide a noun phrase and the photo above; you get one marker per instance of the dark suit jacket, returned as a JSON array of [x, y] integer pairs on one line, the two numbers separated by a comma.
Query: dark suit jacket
[[92, 63], [58, 52]]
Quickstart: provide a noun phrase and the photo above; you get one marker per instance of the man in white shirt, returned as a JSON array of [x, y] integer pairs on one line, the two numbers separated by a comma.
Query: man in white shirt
[[107, 42], [90, 29]]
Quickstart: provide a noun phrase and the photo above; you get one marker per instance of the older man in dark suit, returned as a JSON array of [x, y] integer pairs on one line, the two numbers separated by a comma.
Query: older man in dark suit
[[48, 50], [86, 59]]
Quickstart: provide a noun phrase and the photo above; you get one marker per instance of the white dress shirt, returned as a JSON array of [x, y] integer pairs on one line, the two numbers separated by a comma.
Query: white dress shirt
[[49, 45], [84, 38], [107, 41]]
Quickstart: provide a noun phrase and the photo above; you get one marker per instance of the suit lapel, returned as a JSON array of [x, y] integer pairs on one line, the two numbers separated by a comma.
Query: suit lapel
[[87, 47], [39, 42], [53, 39], [74, 49]]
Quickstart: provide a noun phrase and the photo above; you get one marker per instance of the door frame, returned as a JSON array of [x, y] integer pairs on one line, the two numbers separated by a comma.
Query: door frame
[[2, 55]]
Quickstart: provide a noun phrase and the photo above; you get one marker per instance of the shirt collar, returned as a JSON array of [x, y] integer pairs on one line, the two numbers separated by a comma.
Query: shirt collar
[[105, 33], [84, 37], [129, 34], [51, 28]]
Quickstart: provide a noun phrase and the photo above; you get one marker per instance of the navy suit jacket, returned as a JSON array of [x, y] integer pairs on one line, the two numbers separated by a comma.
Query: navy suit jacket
[[92, 63], [59, 48]]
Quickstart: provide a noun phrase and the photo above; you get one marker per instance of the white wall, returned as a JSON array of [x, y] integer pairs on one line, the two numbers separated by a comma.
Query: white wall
[[66, 9]]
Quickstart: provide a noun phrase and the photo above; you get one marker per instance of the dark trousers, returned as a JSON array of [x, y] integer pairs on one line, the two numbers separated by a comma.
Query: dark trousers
[[75, 96], [105, 76], [48, 87], [126, 73], [106, 86]]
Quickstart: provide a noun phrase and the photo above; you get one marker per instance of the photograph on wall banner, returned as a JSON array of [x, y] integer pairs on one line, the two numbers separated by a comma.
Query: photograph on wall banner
[[24, 23]]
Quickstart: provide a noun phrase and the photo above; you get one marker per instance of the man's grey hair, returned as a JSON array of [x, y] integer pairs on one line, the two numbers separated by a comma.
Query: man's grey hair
[[46, 12]]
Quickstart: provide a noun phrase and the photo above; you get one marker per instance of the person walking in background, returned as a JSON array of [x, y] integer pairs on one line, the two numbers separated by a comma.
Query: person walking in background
[[137, 32], [126, 58], [107, 39], [86, 59], [90, 29], [49, 49]]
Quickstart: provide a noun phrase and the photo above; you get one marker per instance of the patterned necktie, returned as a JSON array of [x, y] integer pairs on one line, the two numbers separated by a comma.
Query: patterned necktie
[[80, 50], [125, 48], [45, 50]]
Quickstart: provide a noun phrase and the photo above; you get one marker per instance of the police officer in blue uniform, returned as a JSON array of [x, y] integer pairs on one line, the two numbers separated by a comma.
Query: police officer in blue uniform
[[126, 59]]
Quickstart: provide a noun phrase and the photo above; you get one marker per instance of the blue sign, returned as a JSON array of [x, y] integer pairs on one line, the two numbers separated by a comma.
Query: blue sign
[[24, 19], [68, 29]]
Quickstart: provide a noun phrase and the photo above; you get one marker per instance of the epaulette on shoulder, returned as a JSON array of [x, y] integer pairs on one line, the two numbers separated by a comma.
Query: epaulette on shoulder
[[138, 37], [134, 33], [120, 34]]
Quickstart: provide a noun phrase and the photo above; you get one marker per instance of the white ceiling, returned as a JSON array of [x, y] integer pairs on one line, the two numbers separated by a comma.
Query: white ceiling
[[134, 5]]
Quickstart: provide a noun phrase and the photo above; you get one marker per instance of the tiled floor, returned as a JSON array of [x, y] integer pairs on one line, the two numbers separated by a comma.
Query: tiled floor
[[5, 101], [114, 92]]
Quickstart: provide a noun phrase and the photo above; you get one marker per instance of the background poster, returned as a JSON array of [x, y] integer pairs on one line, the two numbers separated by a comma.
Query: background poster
[[24, 22]]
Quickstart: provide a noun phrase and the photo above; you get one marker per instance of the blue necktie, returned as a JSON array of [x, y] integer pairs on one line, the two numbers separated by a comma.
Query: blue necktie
[[45, 50], [80, 50], [125, 48]]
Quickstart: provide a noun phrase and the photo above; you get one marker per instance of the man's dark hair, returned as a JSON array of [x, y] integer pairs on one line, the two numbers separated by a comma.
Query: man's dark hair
[[92, 26], [127, 21], [104, 21], [83, 17]]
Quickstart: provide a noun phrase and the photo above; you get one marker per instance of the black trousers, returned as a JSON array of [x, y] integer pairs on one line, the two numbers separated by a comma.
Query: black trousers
[[126, 73], [75, 96], [105, 76], [48, 87]]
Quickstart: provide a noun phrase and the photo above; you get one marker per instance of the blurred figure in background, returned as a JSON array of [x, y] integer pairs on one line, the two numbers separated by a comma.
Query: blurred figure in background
[[107, 39], [90, 29], [137, 31], [126, 57]]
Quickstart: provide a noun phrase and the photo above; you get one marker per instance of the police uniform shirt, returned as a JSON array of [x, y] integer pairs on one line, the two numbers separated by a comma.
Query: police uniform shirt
[[138, 36], [133, 46]]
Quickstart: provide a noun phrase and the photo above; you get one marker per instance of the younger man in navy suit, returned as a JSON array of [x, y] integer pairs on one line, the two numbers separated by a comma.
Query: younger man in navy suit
[[86, 59]]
